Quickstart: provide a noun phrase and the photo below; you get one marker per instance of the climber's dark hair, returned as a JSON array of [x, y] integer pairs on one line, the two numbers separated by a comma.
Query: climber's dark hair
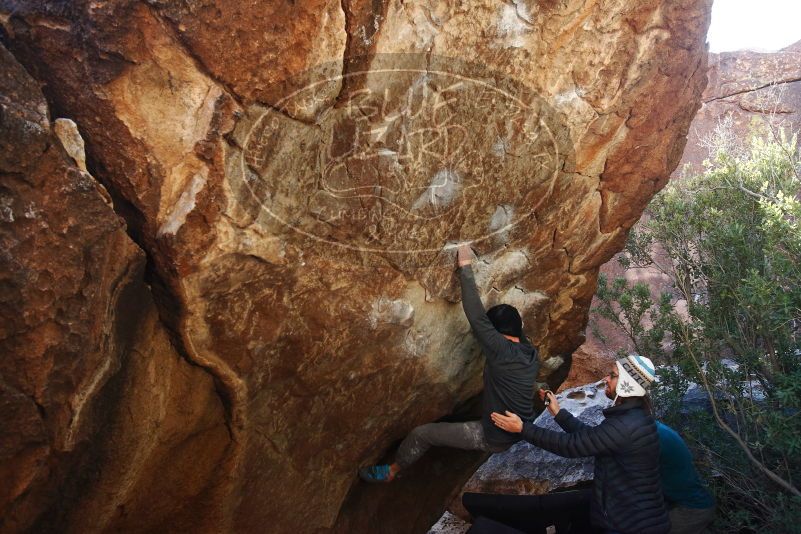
[[506, 320]]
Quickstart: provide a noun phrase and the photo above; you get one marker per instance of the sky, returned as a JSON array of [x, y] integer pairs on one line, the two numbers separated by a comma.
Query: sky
[[763, 25]]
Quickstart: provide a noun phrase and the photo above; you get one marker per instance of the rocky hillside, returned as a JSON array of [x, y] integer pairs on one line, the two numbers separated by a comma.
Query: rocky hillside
[[248, 290], [748, 92]]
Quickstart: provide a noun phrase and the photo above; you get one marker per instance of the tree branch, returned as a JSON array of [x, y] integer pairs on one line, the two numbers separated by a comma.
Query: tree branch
[[744, 446]]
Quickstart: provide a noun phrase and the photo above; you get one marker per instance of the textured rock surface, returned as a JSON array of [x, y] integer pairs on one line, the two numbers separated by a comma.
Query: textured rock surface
[[100, 417], [294, 208], [588, 366], [748, 93], [449, 524]]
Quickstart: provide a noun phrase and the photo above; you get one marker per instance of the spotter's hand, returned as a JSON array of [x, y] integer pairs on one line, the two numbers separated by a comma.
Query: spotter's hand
[[547, 396], [509, 422]]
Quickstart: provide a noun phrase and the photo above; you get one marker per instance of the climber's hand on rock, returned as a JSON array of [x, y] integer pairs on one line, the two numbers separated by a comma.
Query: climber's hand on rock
[[464, 255], [509, 422]]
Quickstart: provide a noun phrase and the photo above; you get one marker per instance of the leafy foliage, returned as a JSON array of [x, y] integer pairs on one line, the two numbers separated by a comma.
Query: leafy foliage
[[729, 241]]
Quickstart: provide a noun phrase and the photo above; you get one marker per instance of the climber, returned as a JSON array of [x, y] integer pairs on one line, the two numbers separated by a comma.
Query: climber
[[509, 375], [627, 495]]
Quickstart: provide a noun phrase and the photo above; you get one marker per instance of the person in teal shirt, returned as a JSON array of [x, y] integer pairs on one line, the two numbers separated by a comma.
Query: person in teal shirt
[[691, 505]]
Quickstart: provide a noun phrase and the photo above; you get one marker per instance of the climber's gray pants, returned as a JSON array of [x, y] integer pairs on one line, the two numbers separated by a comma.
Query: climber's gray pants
[[468, 436]]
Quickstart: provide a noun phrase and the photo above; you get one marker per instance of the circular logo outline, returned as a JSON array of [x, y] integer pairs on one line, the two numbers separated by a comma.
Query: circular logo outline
[[280, 107]]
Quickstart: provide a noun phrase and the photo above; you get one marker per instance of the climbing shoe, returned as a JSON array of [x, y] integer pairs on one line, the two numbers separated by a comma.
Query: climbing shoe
[[375, 473]]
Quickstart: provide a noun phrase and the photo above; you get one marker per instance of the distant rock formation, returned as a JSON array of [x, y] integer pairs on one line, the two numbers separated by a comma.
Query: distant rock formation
[[748, 93], [292, 176]]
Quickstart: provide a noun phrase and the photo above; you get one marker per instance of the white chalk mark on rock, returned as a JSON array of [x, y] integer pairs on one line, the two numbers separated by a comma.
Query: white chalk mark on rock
[[6, 211], [186, 203], [513, 26], [500, 147], [79, 401], [502, 219], [67, 132], [444, 187], [398, 312]]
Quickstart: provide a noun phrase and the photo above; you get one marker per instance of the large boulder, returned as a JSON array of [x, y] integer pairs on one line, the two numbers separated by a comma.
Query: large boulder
[[100, 417], [296, 173]]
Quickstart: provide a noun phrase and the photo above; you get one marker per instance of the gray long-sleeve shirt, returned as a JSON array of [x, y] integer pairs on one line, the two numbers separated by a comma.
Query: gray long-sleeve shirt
[[510, 370]]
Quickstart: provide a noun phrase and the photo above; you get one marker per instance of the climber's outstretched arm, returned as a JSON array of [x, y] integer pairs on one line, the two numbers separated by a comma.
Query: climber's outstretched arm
[[473, 308]]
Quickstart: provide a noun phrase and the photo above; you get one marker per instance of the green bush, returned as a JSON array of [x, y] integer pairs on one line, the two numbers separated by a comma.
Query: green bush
[[729, 242]]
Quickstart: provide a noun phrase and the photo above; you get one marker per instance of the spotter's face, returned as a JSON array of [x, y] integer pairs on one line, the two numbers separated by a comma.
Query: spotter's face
[[611, 382]]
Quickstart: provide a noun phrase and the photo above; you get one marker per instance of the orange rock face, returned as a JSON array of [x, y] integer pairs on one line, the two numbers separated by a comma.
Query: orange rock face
[[99, 415], [297, 174]]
